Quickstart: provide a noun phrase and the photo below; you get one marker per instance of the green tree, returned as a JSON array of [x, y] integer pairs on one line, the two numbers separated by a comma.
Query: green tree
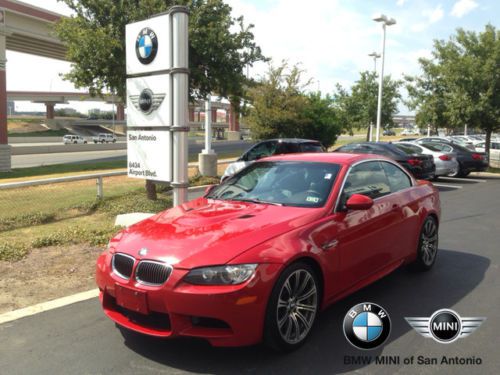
[[357, 109], [464, 76], [280, 107], [220, 46]]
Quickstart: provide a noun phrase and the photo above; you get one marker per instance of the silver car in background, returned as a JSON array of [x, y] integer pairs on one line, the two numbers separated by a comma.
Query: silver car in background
[[446, 162]]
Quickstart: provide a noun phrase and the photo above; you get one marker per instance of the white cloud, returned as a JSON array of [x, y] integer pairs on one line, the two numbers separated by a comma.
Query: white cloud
[[431, 15], [400, 3], [434, 15], [462, 7]]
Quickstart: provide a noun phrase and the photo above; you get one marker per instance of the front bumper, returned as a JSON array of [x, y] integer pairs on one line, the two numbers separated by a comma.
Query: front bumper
[[224, 315]]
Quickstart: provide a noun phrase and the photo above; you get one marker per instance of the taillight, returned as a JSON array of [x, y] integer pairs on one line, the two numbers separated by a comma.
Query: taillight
[[415, 162], [477, 157], [444, 157]]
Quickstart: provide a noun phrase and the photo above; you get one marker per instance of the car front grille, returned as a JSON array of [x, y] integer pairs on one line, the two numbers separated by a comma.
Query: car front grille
[[123, 265], [152, 273]]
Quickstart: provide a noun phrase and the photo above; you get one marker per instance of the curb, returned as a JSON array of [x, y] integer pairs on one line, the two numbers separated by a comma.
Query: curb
[[46, 306]]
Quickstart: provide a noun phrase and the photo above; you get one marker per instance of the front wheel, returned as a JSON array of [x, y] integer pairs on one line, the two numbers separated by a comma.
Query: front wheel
[[427, 245], [292, 308]]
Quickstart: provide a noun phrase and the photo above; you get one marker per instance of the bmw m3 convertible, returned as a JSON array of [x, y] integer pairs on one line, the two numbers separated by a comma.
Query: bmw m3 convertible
[[257, 257]]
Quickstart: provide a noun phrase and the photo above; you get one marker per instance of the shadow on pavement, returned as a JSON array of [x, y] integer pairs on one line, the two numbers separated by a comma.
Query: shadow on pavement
[[403, 293]]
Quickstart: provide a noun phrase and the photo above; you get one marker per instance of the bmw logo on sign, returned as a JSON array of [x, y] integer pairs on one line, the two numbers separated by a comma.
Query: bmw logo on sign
[[146, 45], [367, 325]]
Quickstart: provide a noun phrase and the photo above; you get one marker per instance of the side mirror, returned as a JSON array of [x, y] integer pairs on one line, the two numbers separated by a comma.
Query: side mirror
[[359, 202]]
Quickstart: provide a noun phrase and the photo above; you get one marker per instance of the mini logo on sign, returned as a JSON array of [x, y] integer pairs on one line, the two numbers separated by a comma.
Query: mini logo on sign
[[143, 252], [146, 46], [445, 325], [146, 101], [367, 325]]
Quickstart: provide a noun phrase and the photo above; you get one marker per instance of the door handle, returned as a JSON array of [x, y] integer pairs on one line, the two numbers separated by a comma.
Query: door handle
[[329, 245]]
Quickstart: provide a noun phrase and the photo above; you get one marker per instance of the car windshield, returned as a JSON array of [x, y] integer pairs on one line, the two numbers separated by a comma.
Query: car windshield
[[283, 183]]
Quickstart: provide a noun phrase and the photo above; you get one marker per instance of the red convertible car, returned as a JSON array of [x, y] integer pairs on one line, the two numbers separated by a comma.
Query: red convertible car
[[260, 255]]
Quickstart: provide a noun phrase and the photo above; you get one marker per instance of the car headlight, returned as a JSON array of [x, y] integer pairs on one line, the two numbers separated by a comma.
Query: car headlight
[[221, 275]]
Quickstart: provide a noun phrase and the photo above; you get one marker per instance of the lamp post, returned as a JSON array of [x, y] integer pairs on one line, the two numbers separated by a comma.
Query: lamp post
[[375, 56], [386, 21]]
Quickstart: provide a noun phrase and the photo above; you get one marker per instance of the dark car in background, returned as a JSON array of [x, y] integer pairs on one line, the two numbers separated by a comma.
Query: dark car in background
[[389, 132], [271, 147], [421, 166], [468, 161]]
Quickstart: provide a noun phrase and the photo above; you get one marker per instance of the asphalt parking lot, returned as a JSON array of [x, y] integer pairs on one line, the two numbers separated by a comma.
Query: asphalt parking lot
[[79, 339]]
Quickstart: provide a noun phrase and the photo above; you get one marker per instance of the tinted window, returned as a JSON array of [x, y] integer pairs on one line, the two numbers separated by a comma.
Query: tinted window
[[261, 151], [297, 184], [398, 180], [438, 147], [368, 179], [311, 147], [409, 149], [286, 148]]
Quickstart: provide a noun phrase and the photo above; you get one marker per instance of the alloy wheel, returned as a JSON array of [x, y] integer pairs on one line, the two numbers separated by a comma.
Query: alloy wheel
[[297, 306], [429, 242]]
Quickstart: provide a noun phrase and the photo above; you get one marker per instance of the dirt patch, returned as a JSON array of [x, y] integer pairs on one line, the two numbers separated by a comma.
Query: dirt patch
[[46, 274], [25, 127]]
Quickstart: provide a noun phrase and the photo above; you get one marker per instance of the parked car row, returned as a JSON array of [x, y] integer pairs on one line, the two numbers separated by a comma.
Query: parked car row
[[78, 139], [425, 158]]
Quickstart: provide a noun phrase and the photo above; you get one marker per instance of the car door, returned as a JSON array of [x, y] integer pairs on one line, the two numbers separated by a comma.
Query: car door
[[406, 206], [366, 238]]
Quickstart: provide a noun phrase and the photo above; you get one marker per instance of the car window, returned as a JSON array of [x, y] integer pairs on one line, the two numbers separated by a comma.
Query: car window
[[311, 147], [261, 150], [286, 148], [409, 149], [367, 178], [398, 180]]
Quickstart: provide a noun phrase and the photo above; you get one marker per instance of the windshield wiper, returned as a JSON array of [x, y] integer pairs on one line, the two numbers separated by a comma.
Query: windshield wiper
[[256, 200]]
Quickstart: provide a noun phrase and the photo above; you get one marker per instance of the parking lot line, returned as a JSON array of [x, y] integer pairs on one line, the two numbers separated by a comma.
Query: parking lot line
[[462, 179], [45, 306], [449, 186]]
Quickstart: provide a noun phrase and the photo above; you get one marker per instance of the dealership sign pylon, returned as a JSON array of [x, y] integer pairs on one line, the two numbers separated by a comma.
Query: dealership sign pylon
[[157, 99]]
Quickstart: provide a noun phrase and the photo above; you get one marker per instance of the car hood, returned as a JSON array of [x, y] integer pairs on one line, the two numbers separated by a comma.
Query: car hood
[[209, 232]]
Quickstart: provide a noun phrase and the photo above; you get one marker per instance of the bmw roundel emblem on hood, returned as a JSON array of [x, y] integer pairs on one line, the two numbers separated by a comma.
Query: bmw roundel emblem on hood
[[143, 251], [146, 45]]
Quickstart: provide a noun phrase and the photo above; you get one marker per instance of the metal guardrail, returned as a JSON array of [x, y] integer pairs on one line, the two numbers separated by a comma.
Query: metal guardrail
[[97, 176]]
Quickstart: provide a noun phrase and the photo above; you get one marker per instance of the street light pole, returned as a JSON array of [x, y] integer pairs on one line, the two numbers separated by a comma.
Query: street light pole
[[386, 21], [375, 56]]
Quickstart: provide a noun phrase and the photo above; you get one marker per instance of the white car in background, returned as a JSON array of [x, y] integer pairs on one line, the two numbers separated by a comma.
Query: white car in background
[[481, 147], [446, 162], [73, 139], [413, 131]]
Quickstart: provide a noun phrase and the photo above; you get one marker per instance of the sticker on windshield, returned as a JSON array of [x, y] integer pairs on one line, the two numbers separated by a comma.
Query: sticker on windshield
[[312, 199], [328, 176]]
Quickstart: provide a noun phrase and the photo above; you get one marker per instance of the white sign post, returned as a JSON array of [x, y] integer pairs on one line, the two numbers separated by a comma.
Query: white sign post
[[157, 99]]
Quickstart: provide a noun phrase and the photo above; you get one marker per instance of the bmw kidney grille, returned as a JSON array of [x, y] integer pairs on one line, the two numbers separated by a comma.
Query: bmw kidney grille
[[152, 273]]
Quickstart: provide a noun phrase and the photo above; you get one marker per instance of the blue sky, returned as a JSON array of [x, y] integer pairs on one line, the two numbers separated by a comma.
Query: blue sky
[[330, 38]]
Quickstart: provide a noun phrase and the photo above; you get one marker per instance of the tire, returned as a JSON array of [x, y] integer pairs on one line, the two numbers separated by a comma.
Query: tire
[[75, 142], [428, 243], [289, 323], [458, 172]]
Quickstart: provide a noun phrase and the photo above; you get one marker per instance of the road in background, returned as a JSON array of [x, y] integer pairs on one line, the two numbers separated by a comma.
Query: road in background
[[79, 339], [35, 160]]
